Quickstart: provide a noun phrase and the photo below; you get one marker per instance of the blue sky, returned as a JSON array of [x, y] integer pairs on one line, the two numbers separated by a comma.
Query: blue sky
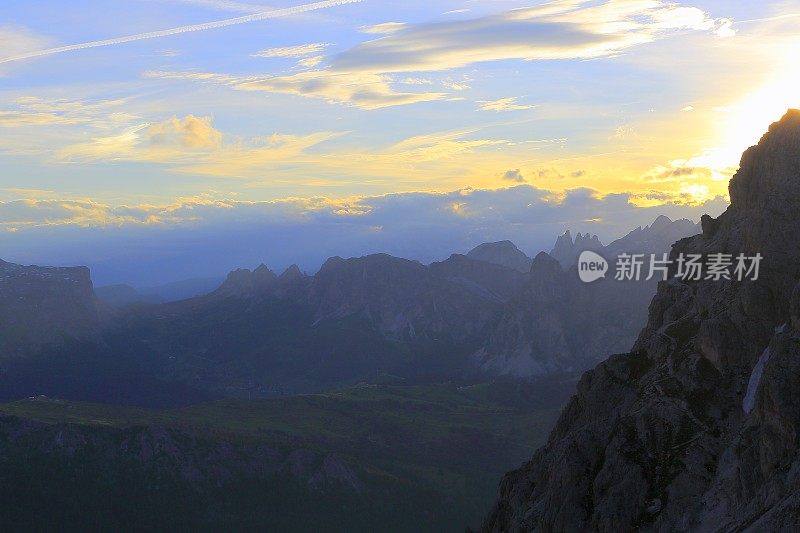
[[362, 127]]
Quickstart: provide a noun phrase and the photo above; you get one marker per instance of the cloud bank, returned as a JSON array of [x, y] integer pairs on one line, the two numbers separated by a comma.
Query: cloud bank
[[206, 236]]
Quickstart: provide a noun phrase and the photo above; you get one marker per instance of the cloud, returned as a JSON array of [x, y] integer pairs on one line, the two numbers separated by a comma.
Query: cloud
[[384, 28], [263, 15], [455, 85], [310, 62], [293, 51], [34, 111], [514, 175], [18, 40], [173, 140], [415, 81], [677, 171], [193, 145], [130, 243], [190, 132], [724, 28], [367, 91], [563, 29], [503, 104], [226, 5]]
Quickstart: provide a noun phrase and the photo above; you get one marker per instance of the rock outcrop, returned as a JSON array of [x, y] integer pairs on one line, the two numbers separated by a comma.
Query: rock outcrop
[[696, 428], [40, 306]]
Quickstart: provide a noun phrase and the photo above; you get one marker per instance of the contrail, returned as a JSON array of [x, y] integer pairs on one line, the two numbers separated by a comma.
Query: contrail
[[768, 19], [275, 13]]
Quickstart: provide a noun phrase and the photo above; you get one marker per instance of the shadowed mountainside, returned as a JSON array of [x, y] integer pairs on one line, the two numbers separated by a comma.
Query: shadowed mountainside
[[695, 429]]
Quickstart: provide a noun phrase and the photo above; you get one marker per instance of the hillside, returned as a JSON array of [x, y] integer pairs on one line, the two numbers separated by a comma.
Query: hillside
[[375, 456]]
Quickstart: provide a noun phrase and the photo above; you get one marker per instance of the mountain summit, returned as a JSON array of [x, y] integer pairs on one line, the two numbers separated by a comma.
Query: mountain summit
[[696, 428], [504, 253]]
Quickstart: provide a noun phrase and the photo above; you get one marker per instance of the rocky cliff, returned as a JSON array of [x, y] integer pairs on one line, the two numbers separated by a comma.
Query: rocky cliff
[[44, 305], [696, 428]]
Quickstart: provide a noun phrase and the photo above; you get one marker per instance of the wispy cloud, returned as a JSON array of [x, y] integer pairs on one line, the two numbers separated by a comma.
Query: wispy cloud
[[384, 28], [563, 29], [34, 111], [363, 90], [293, 51], [264, 15], [226, 5], [503, 104]]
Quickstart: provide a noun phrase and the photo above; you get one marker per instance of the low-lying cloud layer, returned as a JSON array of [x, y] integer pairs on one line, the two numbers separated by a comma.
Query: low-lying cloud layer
[[205, 236]]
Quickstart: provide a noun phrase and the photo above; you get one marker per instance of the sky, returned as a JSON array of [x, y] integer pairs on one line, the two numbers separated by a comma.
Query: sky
[[159, 140]]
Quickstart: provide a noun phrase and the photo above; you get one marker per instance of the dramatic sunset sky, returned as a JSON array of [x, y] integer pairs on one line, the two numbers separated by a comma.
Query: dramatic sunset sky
[[152, 146]]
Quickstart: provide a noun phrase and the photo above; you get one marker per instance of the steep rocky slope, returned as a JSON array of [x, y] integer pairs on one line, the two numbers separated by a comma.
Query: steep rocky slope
[[696, 428], [44, 305]]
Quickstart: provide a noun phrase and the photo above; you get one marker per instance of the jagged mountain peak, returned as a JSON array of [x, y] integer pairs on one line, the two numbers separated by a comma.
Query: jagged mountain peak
[[566, 251], [291, 273]]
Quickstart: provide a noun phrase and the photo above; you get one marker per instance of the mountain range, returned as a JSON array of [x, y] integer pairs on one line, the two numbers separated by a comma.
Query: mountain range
[[491, 312]]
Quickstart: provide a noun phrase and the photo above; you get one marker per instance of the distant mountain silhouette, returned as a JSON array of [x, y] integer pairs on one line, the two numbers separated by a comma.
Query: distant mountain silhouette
[[122, 294], [503, 253], [566, 251]]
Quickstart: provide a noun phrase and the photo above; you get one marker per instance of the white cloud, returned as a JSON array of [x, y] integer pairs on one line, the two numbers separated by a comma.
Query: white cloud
[[310, 62], [563, 29], [35, 111], [503, 104], [724, 28], [293, 51], [363, 90], [262, 15], [384, 28]]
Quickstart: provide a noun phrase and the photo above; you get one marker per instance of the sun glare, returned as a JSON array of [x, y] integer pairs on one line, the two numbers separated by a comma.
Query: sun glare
[[743, 123]]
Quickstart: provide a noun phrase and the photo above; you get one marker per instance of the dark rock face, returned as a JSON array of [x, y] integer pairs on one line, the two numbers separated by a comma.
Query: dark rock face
[[503, 253], [44, 305], [696, 428]]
